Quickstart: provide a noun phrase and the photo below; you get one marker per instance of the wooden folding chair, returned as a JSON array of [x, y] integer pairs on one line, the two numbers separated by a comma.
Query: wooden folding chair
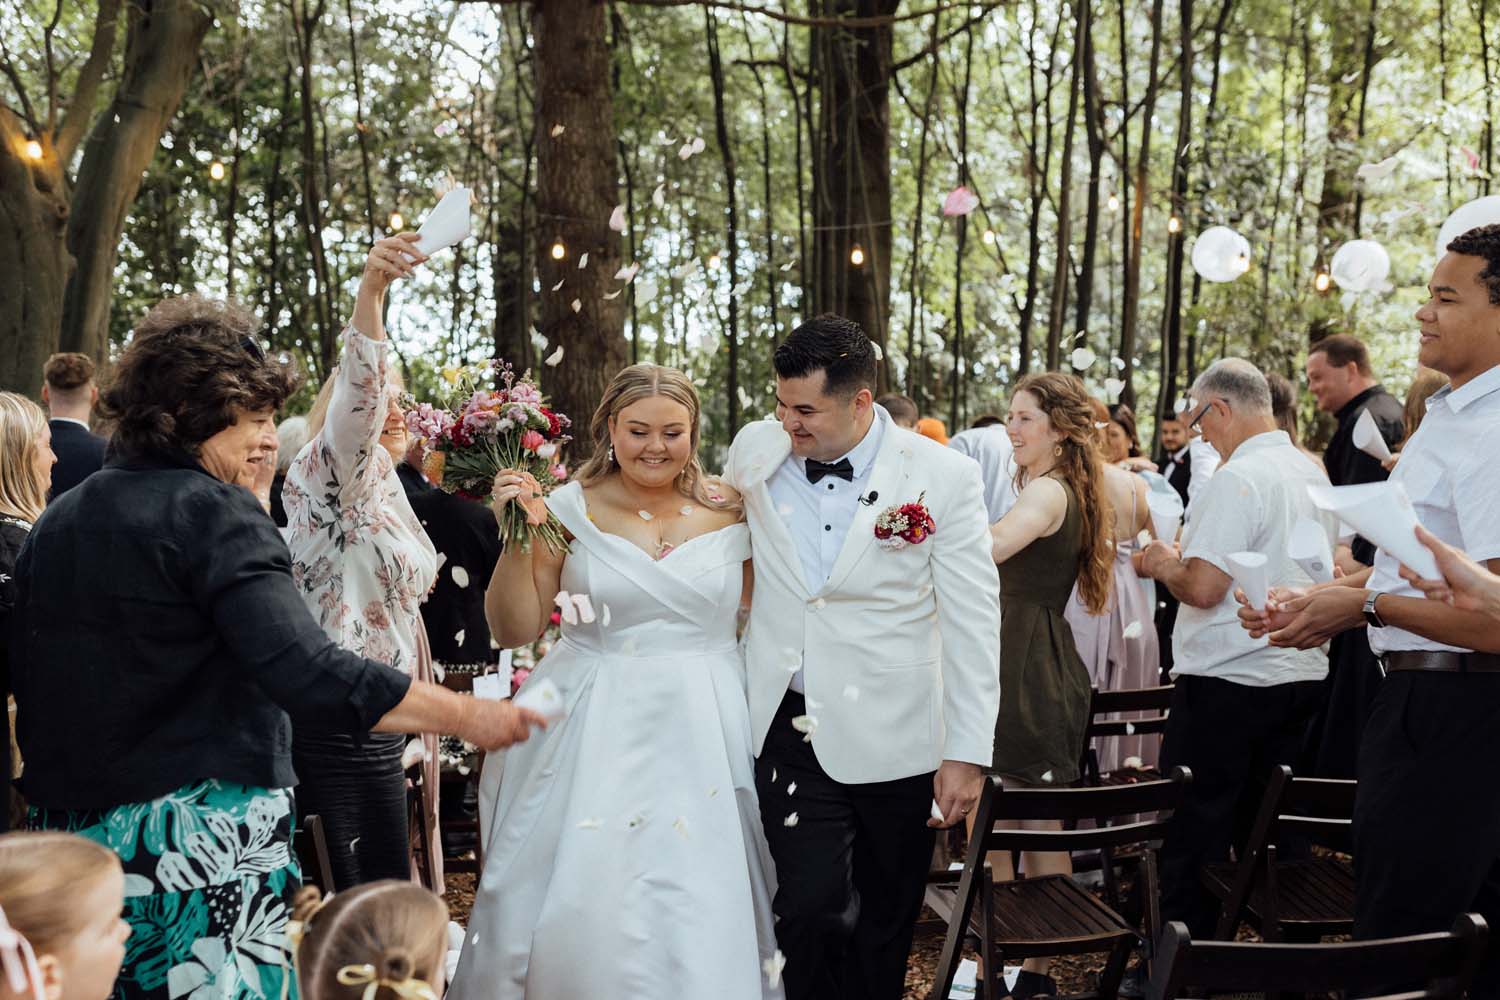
[[311, 845], [1151, 705], [1420, 967], [419, 827], [1302, 899], [1052, 914]]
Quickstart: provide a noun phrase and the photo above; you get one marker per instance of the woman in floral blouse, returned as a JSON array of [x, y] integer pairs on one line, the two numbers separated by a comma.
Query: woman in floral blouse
[[364, 565]]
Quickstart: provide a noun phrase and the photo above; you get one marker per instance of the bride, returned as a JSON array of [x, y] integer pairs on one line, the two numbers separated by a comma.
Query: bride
[[624, 853]]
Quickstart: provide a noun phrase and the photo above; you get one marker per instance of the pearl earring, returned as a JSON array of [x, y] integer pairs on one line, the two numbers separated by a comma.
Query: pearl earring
[[1057, 451], [611, 454]]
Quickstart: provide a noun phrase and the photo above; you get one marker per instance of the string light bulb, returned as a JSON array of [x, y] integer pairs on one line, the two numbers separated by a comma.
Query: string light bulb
[[397, 222], [714, 261], [989, 237], [216, 171], [1113, 203], [33, 149], [1322, 280], [857, 255], [1174, 225], [559, 249]]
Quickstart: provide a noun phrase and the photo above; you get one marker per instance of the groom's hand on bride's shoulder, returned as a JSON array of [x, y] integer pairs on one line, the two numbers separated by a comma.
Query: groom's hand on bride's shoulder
[[955, 789]]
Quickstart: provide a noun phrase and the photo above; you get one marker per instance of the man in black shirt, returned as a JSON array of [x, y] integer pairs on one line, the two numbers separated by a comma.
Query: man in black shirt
[[1340, 378]]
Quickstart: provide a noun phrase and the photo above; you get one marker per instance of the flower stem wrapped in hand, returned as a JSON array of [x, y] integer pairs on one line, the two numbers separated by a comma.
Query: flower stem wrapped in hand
[[497, 443]]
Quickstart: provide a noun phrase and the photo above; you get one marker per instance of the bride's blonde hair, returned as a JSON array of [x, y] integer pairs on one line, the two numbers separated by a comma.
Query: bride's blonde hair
[[630, 386]]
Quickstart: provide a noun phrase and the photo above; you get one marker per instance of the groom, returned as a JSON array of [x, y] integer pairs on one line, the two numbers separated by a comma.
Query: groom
[[873, 667]]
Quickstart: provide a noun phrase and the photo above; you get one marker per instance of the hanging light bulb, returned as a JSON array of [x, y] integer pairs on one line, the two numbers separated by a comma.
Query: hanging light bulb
[[397, 222], [33, 149], [714, 261], [1174, 225], [1113, 203], [857, 255], [1322, 280], [989, 237], [216, 171], [559, 249]]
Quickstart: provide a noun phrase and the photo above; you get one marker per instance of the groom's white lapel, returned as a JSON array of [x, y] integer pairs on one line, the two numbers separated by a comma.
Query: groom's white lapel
[[888, 485]]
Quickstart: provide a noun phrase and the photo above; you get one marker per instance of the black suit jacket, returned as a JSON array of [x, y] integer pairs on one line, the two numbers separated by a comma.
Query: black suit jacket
[[80, 454], [465, 533]]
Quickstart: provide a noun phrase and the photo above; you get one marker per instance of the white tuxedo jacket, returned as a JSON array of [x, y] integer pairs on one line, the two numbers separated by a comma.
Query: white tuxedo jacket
[[901, 648]]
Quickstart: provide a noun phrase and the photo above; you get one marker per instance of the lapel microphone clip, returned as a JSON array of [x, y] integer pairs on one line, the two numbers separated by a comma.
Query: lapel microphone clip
[[869, 501]]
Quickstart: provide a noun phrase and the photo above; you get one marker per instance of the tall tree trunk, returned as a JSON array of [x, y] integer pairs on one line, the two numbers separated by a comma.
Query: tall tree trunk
[[361, 127], [959, 383], [1131, 296], [33, 253], [161, 50], [1062, 267], [304, 29], [852, 165], [1093, 113], [1171, 318], [576, 192], [915, 387], [1487, 136], [731, 218]]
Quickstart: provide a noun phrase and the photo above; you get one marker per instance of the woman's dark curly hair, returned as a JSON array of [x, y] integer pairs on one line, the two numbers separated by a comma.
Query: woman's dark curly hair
[[193, 364]]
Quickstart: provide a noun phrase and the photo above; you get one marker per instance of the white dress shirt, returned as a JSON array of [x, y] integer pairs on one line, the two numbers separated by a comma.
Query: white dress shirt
[[819, 514], [1203, 459], [1448, 469], [990, 447]]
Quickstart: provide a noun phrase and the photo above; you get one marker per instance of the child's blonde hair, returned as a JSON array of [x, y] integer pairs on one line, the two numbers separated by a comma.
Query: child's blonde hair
[[40, 875], [391, 934]]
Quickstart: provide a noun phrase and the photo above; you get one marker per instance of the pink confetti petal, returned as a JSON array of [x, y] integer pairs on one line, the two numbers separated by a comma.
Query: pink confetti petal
[[617, 219], [960, 201]]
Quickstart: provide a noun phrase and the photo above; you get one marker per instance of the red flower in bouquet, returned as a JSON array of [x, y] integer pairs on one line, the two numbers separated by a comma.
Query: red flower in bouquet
[[532, 440], [904, 524]]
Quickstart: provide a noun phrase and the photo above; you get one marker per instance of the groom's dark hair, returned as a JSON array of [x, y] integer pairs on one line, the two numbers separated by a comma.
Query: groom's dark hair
[[834, 345]]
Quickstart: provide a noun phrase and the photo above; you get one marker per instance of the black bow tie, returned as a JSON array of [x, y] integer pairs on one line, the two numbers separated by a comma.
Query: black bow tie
[[816, 470]]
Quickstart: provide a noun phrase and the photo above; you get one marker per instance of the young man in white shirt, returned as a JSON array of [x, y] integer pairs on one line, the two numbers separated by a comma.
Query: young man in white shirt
[[1427, 818], [1239, 707]]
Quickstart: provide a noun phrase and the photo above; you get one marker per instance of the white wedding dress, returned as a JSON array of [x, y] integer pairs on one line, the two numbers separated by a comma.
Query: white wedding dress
[[624, 856]]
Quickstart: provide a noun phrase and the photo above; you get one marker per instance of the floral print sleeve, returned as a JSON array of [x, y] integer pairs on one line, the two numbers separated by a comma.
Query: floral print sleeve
[[356, 411]]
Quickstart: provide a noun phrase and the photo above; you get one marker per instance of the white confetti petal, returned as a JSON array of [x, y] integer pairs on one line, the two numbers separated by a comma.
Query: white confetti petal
[[554, 358], [625, 274], [645, 515], [1118, 362], [1132, 631], [686, 151], [475, 938], [698, 145], [792, 788], [685, 270], [814, 704], [583, 261], [789, 264], [614, 294], [645, 291], [566, 608], [460, 576], [560, 283], [1047, 777], [879, 352], [807, 724], [1112, 389], [791, 820], [1133, 763], [459, 637], [744, 397], [773, 967], [352, 843], [617, 219], [851, 692], [604, 616], [680, 825], [591, 824], [577, 305], [585, 608], [659, 196], [1082, 358], [773, 775], [1130, 729], [558, 130]]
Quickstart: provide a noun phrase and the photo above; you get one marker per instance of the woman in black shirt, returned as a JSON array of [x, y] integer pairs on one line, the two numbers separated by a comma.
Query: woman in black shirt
[[160, 653]]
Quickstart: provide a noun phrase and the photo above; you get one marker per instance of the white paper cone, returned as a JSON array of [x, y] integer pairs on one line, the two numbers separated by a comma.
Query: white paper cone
[[1166, 514], [1249, 570], [937, 813], [1366, 437], [543, 697], [447, 225], [1308, 547], [1381, 512]]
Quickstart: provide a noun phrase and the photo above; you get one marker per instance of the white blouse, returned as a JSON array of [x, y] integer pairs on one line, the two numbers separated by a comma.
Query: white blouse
[[359, 554]]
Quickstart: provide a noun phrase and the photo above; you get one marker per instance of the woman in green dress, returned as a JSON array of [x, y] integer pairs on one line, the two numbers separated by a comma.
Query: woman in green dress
[[1058, 533]]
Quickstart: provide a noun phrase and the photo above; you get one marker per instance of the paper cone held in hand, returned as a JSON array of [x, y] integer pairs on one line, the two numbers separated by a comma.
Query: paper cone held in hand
[[1308, 547], [1166, 514], [1366, 437], [1381, 512], [447, 225], [1249, 569]]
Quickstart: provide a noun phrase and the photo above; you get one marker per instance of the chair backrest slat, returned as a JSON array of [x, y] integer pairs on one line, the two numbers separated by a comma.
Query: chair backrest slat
[[1099, 804], [1152, 699]]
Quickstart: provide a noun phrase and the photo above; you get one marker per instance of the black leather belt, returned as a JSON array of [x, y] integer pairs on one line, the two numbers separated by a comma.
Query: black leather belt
[[1441, 661]]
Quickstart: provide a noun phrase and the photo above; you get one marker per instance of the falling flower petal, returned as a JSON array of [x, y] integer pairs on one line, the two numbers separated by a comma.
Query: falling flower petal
[[659, 196], [879, 352], [626, 273], [686, 151], [1132, 631], [645, 515], [851, 692], [583, 261], [698, 145], [1082, 358], [792, 788], [560, 283], [1375, 171], [565, 607], [1047, 777], [807, 724], [577, 305], [744, 397], [774, 965], [680, 825], [558, 130], [554, 358], [1118, 362], [460, 576], [604, 616], [617, 219], [773, 775], [614, 294], [459, 637], [1133, 763], [585, 608], [960, 201], [645, 291], [791, 820], [1130, 729], [1112, 389], [591, 824]]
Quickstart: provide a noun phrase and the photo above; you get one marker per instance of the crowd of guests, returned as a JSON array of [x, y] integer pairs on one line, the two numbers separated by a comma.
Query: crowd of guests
[[163, 725]]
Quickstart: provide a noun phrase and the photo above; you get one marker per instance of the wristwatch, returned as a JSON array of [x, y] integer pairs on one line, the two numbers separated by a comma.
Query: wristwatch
[[1372, 617]]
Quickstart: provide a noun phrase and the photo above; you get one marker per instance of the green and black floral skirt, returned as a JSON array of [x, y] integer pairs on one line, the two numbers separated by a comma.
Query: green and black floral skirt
[[209, 875]]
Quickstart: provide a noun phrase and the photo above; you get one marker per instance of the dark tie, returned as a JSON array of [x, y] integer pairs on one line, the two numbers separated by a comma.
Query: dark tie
[[816, 470]]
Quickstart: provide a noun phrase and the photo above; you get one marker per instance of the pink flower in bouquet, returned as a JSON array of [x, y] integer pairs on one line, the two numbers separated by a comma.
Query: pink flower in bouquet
[[517, 678], [525, 392], [428, 423], [559, 472], [532, 440]]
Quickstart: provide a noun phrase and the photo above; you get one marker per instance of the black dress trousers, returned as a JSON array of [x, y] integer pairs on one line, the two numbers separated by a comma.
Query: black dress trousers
[[357, 786], [851, 868], [1427, 812]]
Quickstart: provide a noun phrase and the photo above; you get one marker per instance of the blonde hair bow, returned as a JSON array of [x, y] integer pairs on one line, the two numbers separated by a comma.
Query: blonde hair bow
[[409, 988]]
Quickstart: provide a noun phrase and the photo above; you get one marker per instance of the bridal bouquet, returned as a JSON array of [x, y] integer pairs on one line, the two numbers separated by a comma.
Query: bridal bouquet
[[472, 432]]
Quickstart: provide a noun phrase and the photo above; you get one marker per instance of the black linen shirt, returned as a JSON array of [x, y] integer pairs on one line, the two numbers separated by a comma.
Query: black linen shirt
[[1346, 464], [157, 640]]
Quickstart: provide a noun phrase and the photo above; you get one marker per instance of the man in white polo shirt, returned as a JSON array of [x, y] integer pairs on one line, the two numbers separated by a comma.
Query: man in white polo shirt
[[1240, 706], [1427, 816]]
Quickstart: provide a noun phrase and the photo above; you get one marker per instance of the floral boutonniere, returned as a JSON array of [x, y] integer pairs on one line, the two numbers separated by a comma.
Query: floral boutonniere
[[904, 524]]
